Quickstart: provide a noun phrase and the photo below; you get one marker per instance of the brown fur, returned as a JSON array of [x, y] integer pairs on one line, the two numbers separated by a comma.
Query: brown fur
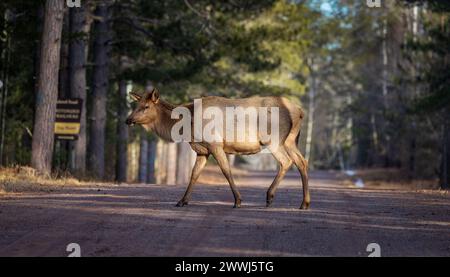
[[154, 114]]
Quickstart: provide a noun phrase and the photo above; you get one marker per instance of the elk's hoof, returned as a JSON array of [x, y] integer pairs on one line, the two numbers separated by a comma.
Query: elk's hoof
[[181, 203], [237, 204], [305, 206], [269, 201]]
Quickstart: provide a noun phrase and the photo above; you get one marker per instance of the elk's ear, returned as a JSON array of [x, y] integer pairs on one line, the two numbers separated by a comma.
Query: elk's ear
[[136, 97], [154, 95]]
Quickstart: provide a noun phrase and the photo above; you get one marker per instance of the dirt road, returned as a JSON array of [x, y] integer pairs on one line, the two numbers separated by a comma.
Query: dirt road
[[141, 220]]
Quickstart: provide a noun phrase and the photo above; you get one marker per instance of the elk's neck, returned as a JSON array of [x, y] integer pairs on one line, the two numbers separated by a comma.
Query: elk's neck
[[164, 123]]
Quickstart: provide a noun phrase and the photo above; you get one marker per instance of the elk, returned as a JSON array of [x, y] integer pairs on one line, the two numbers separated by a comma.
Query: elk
[[155, 114]]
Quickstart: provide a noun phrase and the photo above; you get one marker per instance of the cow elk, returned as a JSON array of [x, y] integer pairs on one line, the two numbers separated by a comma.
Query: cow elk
[[156, 115]]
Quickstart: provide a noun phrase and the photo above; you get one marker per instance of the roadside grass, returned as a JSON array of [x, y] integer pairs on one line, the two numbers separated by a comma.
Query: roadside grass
[[392, 179], [20, 179]]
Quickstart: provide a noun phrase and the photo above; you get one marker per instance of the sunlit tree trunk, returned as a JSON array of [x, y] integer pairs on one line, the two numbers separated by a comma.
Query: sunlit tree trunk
[[311, 108], [231, 159], [184, 163], [171, 163], [161, 162], [133, 161]]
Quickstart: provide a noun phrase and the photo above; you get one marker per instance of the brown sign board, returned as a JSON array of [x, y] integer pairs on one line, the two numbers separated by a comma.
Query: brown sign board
[[68, 116]]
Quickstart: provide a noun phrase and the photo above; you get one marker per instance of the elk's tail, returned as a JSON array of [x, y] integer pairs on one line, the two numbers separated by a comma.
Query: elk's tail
[[302, 116]]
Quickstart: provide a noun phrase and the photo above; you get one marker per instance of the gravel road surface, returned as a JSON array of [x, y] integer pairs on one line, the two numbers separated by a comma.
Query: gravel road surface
[[142, 220]]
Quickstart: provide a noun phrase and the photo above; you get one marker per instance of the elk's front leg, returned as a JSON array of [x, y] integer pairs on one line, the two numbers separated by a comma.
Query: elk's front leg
[[224, 165], [200, 163]]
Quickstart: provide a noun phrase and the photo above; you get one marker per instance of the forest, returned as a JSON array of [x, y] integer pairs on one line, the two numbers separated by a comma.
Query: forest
[[374, 81]]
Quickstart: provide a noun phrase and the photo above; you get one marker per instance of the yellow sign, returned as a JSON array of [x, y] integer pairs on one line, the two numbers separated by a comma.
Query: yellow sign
[[68, 116], [67, 128]]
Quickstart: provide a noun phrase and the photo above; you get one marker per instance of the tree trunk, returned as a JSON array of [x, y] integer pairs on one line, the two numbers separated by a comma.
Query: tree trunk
[[133, 161], [99, 91], [385, 59], [77, 72], [122, 134], [171, 163], [385, 75], [151, 162], [375, 139], [143, 158], [44, 121], [413, 138], [161, 162], [349, 136], [231, 159], [6, 57], [445, 178], [60, 157], [311, 107], [63, 84], [184, 165]]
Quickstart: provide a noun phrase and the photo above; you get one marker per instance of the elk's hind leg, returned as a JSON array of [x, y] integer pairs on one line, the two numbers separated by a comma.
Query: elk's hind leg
[[302, 164], [200, 163], [224, 165], [285, 163]]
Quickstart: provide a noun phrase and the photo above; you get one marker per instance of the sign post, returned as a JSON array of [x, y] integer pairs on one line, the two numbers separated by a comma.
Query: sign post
[[68, 115]]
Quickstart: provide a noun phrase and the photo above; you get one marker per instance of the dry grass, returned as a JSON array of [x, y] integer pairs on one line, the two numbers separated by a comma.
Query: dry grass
[[390, 179], [25, 179], [21, 179]]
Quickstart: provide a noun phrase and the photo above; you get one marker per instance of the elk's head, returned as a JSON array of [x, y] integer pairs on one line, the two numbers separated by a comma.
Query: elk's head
[[145, 111]]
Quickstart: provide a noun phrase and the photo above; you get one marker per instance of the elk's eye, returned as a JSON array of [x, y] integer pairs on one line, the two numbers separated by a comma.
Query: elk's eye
[[146, 107]]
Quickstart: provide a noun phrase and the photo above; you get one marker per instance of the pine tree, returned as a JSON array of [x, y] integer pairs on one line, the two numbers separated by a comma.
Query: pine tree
[[47, 94]]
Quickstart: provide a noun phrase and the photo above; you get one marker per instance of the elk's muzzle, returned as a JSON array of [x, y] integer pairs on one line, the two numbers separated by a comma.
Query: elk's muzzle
[[129, 121]]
